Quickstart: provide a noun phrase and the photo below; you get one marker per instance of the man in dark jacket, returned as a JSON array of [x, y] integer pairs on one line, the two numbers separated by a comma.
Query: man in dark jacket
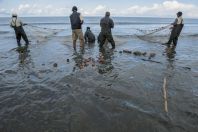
[[17, 24], [76, 20], [176, 30], [89, 36], [106, 23]]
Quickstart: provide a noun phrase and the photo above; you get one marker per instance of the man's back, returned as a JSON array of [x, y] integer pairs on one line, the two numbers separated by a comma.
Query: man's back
[[106, 24], [89, 36], [75, 20]]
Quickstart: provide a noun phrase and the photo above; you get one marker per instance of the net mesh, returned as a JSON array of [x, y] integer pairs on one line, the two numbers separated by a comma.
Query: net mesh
[[41, 33], [155, 35]]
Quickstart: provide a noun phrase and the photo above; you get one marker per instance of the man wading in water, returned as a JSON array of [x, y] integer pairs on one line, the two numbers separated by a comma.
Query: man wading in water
[[17, 24], [76, 20], [106, 23], [89, 36], [176, 30]]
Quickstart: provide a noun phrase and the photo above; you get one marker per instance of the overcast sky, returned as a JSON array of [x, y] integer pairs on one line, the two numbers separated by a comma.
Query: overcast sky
[[150, 8]]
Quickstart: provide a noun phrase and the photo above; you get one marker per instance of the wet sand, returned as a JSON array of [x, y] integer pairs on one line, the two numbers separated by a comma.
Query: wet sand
[[92, 91]]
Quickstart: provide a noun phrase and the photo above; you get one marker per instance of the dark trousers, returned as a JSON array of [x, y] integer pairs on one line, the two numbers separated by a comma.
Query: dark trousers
[[20, 33], [174, 40], [173, 37], [175, 33], [109, 37]]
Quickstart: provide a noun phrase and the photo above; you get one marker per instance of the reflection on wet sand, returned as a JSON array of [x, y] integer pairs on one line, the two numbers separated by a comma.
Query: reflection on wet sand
[[105, 61], [23, 53], [102, 63], [170, 53], [82, 62]]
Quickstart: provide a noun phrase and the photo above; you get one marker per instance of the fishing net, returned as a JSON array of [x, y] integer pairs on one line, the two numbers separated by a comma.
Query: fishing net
[[40, 33], [155, 35]]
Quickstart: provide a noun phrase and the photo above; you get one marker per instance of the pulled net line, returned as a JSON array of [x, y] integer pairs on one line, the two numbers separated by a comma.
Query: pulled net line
[[40, 33], [156, 35]]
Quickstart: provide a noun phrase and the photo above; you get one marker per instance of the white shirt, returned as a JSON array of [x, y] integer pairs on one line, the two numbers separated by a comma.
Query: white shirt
[[180, 20], [81, 18], [15, 22]]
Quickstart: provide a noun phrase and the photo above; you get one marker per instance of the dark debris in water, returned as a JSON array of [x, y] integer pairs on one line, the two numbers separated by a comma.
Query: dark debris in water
[[102, 97], [144, 54], [187, 68], [152, 55], [127, 51], [139, 53], [55, 65], [22, 49], [151, 61], [109, 85]]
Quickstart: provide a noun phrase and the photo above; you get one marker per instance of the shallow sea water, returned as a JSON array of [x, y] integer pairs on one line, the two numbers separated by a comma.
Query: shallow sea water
[[98, 91]]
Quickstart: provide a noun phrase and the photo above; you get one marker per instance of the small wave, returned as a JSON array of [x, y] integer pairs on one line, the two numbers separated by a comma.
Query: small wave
[[4, 32], [193, 35], [4, 24]]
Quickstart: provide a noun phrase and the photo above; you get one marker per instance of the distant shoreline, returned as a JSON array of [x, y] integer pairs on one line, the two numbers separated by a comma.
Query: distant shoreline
[[99, 16]]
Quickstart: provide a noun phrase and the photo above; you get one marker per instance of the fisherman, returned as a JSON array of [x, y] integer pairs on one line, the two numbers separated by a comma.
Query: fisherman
[[76, 20], [176, 30], [106, 23], [17, 24], [89, 36]]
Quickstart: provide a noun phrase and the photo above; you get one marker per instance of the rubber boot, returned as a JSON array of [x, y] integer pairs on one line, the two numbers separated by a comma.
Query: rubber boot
[[74, 45], [18, 43]]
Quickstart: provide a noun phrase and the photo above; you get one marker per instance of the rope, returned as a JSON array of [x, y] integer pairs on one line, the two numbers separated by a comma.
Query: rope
[[43, 27], [42, 31], [149, 32], [37, 27]]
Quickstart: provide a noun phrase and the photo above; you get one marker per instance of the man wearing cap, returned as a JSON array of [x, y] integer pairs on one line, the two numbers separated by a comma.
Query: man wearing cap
[[76, 20], [89, 36], [17, 24], [106, 24], [176, 30]]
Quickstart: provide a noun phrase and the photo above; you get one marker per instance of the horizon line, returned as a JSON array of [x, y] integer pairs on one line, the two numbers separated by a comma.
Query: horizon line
[[103, 16]]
